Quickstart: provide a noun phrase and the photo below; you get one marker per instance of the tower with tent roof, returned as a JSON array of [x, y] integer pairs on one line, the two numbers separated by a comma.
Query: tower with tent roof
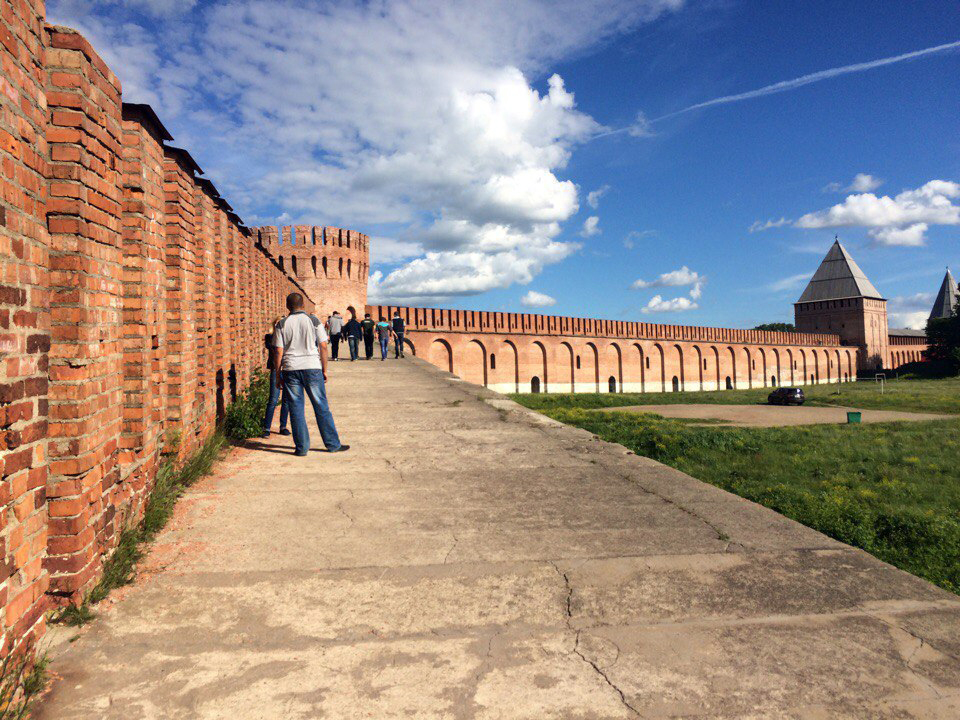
[[946, 302], [840, 299]]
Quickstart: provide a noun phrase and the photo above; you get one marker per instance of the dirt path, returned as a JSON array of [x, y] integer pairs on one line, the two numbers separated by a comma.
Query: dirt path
[[775, 415], [470, 559]]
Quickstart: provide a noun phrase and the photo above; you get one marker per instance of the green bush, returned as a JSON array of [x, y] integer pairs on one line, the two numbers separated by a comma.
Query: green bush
[[244, 417]]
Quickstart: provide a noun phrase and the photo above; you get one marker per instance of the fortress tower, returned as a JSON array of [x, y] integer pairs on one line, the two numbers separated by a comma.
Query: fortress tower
[[840, 299], [330, 263]]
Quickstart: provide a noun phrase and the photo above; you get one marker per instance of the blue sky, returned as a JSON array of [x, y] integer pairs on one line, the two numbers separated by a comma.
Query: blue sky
[[467, 138]]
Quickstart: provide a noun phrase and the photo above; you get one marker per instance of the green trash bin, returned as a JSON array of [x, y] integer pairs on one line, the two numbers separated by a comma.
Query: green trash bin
[[853, 418]]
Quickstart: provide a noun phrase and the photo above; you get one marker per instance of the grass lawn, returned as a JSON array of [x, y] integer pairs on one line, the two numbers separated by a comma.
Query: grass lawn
[[892, 489], [918, 395]]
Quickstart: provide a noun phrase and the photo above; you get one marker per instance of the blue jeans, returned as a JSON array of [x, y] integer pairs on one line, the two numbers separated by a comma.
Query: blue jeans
[[296, 383], [272, 405], [354, 342], [384, 347]]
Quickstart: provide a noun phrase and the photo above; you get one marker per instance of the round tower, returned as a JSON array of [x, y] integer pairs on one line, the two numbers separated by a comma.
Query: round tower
[[331, 264]]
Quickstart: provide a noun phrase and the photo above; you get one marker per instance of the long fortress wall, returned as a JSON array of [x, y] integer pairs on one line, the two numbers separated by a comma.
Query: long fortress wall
[[519, 352], [133, 304]]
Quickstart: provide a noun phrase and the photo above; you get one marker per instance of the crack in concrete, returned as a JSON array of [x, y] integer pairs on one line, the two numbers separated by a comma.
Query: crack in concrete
[[720, 533], [452, 547], [602, 674]]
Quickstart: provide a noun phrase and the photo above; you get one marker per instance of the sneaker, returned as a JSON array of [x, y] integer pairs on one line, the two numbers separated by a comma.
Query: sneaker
[[266, 434], [298, 454], [342, 448], [284, 431]]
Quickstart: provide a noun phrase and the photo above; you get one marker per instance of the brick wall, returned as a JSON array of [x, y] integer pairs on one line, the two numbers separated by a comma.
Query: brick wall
[[132, 306], [24, 322]]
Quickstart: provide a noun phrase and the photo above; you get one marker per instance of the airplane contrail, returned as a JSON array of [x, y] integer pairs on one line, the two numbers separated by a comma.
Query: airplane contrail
[[785, 85]]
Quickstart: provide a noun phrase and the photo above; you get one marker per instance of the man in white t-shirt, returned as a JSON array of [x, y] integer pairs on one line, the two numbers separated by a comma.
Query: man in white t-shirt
[[300, 351]]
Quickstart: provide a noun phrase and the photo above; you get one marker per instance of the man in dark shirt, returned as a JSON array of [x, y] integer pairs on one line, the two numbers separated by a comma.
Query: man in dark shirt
[[398, 328], [354, 332], [368, 325]]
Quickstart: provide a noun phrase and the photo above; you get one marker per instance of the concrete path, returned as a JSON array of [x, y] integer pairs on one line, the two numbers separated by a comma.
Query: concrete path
[[776, 415], [469, 559]]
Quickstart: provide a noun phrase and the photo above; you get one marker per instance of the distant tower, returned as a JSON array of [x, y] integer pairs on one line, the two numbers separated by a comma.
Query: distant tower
[[946, 301], [840, 299], [331, 264]]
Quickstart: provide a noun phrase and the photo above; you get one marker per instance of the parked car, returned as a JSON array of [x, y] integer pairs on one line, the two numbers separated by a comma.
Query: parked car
[[786, 396]]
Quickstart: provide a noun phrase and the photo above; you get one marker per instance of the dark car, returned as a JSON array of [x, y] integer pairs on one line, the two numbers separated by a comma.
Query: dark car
[[786, 396]]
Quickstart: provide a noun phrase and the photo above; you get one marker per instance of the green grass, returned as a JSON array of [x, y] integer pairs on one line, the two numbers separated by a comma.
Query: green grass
[[120, 568], [244, 419], [917, 395], [23, 676], [892, 489]]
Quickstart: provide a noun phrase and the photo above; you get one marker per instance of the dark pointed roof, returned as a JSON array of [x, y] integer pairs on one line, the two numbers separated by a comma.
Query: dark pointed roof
[[838, 277], [946, 299]]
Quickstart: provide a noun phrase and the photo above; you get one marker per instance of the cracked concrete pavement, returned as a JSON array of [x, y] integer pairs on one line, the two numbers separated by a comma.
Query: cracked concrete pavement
[[471, 559]]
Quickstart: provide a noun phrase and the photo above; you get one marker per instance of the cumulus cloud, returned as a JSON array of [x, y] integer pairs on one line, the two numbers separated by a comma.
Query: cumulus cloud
[[899, 220], [675, 278], [593, 197], [679, 304], [909, 236], [420, 116], [862, 182], [591, 227], [386, 250], [537, 300], [910, 311], [760, 226]]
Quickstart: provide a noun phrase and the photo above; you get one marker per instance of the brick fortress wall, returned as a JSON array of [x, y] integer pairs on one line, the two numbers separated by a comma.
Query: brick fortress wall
[[133, 305], [331, 263], [517, 352]]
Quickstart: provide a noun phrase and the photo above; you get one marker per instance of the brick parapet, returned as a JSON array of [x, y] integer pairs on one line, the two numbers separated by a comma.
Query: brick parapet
[[127, 288], [472, 321], [24, 325]]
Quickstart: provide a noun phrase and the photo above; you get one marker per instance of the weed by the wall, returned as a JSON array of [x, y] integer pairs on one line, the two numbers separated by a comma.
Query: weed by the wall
[[244, 418], [23, 675]]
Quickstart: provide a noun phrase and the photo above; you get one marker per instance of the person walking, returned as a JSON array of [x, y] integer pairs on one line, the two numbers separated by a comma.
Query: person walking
[[368, 326], [398, 329], [300, 351], [354, 332], [334, 328], [275, 393], [384, 333]]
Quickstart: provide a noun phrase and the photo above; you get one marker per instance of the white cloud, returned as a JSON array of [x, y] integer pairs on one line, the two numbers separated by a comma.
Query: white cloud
[[759, 226], [415, 114], [658, 304], [910, 236], [931, 203], [862, 182], [633, 236], [390, 250], [789, 283], [593, 197], [537, 300], [591, 227], [674, 278], [910, 311]]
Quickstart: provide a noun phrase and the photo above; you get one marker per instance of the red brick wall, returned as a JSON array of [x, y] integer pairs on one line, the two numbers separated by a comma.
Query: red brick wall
[[132, 304], [514, 352], [24, 323]]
